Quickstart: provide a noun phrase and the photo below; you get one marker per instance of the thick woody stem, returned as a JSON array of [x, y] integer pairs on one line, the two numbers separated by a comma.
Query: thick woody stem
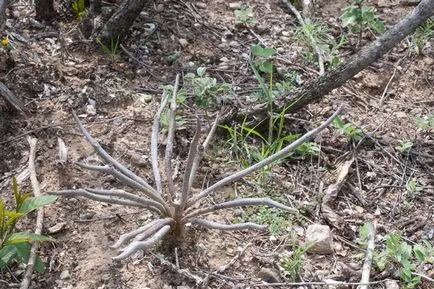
[[226, 227], [238, 175]]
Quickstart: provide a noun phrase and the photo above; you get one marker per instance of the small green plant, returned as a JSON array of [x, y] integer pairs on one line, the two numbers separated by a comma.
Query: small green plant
[[423, 33], [111, 48], [352, 132], [244, 16], [404, 146], [407, 257], [204, 88], [425, 123], [359, 18], [79, 8], [15, 245], [173, 57], [413, 189], [293, 264], [316, 34], [308, 149]]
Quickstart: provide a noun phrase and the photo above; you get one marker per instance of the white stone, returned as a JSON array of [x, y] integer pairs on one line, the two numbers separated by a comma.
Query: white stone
[[321, 236], [391, 284]]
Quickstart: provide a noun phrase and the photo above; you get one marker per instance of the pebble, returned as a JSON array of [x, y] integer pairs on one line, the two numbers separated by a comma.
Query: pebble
[[159, 8], [200, 5], [285, 39], [183, 42], [64, 275], [429, 61], [235, 5], [56, 228], [234, 43], [285, 33], [270, 275], [16, 14]]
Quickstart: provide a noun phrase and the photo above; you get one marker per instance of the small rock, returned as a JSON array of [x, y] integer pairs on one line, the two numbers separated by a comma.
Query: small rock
[[201, 5], [273, 238], [224, 59], [183, 42], [90, 110], [391, 284], [64, 275], [56, 228], [285, 33], [235, 5], [16, 14], [285, 39], [321, 236], [270, 275], [144, 97], [428, 61], [159, 8], [234, 43]]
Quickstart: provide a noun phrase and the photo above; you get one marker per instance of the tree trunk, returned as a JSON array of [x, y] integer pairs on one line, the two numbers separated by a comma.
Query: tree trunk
[[117, 26], [3, 5], [44, 10], [314, 90]]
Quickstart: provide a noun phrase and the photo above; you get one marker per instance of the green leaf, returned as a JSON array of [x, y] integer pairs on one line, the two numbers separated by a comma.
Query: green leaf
[[201, 71], [258, 50], [3, 228], [364, 232], [24, 237], [419, 252], [7, 253], [266, 67], [23, 251], [34, 203], [39, 265]]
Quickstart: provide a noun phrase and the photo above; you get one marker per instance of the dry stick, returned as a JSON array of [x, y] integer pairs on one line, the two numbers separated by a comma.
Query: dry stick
[[137, 245], [223, 268], [104, 155], [314, 90], [308, 34], [240, 203], [238, 175], [154, 146], [226, 227], [369, 255], [170, 138], [39, 217], [183, 272]]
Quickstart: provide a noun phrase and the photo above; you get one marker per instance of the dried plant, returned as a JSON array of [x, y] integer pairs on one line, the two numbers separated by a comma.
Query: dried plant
[[174, 206]]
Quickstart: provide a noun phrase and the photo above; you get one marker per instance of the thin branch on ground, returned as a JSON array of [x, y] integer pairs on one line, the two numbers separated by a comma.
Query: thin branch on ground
[[366, 271], [25, 283], [240, 253], [182, 272]]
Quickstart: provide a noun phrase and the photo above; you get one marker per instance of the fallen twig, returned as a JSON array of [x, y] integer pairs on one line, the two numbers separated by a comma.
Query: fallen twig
[[39, 216], [368, 258]]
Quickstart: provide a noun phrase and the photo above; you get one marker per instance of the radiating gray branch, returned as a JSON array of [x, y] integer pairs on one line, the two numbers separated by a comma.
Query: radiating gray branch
[[240, 203], [154, 145], [104, 199], [226, 227], [142, 245], [149, 191], [238, 175], [151, 226], [129, 196], [104, 155], [192, 153], [203, 149], [170, 138]]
